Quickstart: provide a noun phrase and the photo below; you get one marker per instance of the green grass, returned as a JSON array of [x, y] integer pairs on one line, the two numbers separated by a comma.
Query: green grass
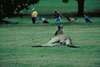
[[28, 20], [48, 6], [16, 39], [16, 42]]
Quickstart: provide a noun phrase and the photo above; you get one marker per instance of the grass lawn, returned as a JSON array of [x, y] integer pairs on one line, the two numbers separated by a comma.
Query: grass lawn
[[16, 41], [48, 6]]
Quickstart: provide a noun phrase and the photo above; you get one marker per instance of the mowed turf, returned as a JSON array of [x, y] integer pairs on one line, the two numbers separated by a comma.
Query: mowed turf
[[16, 42], [16, 39]]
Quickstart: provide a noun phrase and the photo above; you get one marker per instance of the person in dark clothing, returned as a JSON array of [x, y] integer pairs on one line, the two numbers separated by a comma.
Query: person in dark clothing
[[58, 16], [87, 19]]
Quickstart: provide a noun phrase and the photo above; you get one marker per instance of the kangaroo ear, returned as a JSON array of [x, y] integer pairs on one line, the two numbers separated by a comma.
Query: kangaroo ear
[[59, 27]]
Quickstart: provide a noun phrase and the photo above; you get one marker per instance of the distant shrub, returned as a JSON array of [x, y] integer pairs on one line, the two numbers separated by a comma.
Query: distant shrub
[[65, 1]]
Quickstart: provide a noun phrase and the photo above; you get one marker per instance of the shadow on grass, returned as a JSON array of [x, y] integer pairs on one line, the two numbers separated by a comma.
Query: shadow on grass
[[56, 46], [50, 24]]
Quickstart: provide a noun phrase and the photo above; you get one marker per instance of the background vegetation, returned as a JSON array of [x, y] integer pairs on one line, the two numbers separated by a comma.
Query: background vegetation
[[48, 6]]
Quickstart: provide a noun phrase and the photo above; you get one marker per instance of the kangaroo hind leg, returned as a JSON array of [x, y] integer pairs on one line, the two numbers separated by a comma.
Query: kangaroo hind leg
[[68, 42]]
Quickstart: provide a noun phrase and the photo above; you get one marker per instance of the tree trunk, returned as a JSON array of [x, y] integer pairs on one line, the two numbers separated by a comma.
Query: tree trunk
[[80, 7]]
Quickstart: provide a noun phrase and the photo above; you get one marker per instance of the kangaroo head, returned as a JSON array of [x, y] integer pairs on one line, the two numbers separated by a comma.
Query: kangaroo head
[[59, 31], [60, 27]]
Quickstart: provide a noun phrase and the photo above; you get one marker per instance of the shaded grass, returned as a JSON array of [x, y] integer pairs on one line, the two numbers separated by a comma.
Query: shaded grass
[[28, 20]]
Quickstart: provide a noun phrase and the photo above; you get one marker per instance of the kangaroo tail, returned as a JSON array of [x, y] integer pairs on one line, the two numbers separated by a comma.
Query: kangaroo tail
[[73, 46], [37, 46]]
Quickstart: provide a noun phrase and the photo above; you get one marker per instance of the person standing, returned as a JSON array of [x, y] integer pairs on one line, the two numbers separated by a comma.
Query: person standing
[[57, 16], [34, 16]]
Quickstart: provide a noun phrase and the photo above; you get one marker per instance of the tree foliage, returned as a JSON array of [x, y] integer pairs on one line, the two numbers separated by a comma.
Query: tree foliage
[[65, 1], [8, 7]]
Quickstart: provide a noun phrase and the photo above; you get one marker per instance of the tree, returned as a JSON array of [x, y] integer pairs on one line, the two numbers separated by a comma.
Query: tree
[[65, 1], [8, 7], [80, 7]]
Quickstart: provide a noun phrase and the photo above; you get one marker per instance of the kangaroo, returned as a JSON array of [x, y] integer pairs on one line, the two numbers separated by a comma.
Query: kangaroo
[[59, 39]]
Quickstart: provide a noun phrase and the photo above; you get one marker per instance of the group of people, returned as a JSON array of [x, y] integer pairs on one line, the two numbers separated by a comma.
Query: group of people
[[57, 16]]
